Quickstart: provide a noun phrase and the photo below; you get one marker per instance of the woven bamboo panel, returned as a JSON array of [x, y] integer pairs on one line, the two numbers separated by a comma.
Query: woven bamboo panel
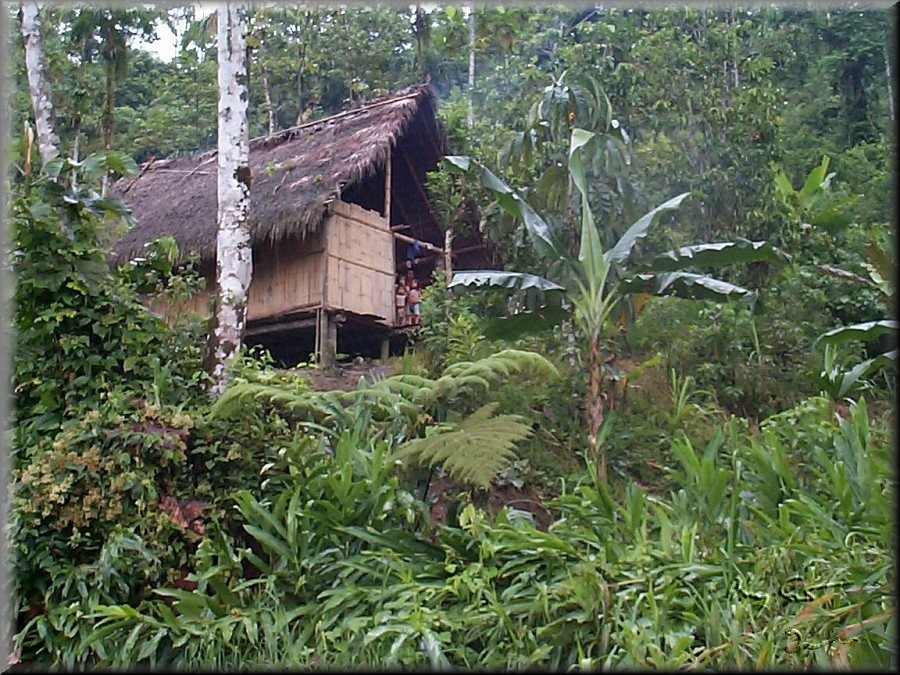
[[197, 304], [360, 248], [286, 276]]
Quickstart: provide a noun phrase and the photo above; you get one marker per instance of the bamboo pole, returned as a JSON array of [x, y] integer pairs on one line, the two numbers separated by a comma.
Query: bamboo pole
[[387, 187], [424, 244]]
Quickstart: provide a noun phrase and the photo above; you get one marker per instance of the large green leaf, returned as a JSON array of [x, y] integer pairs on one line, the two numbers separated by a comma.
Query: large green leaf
[[717, 254], [590, 251], [867, 332], [510, 200], [639, 229], [838, 273], [844, 383], [512, 280], [687, 285], [814, 180]]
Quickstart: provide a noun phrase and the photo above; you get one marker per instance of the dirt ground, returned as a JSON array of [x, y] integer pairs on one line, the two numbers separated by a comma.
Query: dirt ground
[[346, 376]]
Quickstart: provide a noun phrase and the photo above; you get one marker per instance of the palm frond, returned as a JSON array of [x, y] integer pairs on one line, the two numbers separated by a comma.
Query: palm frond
[[476, 450]]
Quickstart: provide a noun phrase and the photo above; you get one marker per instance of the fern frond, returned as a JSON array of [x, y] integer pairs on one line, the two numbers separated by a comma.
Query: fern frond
[[483, 414], [476, 450], [485, 370], [447, 387], [242, 394], [504, 364], [321, 407], [527, 363]]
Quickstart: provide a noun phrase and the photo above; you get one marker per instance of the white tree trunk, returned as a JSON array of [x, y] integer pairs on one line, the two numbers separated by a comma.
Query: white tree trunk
[[39, 82], [234, 263]]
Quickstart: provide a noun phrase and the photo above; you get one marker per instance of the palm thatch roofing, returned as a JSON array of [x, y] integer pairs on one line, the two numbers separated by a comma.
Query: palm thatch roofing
[[295, 174]]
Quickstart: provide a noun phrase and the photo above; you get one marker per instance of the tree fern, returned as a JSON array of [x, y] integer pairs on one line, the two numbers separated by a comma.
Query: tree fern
[[395, 406], [473, 451]]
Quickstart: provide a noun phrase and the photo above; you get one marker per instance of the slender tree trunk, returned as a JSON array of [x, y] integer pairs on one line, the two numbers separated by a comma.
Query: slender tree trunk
[[887, 70], [39, 83], [234, 263], [300, 105], [106, 120], [470, 115], [268, 97]]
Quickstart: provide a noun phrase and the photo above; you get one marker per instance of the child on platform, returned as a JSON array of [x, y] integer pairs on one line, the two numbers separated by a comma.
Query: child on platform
[[414, 304], [400, 302]]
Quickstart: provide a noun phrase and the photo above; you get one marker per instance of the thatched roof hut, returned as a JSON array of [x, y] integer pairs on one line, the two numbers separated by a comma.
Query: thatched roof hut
[[334, 207], [295, 174]]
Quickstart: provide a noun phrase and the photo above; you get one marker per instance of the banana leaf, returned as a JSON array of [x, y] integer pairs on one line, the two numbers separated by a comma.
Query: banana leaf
[[639, 229], [847, 382], [718, 254], [511, 201], [687, 285], [511, 280], [867, 332], [839, 273]]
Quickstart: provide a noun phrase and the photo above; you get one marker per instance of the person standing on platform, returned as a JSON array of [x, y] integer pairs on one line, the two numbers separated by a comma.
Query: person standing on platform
[[400, 301], [414, 303]]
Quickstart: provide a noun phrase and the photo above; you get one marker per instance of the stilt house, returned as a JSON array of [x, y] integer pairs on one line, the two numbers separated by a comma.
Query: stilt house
[[334, 206]]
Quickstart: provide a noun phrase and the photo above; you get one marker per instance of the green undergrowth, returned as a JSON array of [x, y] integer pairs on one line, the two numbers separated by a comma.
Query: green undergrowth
[[763, 554]]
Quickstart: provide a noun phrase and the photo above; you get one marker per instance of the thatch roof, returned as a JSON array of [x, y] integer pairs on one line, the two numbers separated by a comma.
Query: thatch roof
[[295, 174]]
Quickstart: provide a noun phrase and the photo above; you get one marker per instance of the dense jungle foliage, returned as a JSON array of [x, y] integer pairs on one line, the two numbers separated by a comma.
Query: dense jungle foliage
[[746, 519]]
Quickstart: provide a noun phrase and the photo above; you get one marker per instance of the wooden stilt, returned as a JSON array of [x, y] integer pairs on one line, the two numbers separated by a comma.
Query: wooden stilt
[[317, 343], [385, 349], [328, 339]]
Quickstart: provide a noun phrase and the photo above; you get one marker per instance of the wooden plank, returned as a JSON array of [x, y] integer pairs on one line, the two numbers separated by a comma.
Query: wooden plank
[[281, 326]]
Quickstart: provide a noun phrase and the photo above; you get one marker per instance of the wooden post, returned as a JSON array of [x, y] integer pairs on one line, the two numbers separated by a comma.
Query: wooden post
[[317, 344], [448, 254], [387, 187], [328, 340], [385, 349], [331, 342]]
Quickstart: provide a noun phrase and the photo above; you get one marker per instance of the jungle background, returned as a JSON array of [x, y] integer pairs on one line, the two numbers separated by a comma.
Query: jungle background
[[448, 511]]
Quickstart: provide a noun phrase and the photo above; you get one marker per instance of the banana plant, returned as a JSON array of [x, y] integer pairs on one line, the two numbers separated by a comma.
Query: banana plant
[[815, 205], [598, 281]]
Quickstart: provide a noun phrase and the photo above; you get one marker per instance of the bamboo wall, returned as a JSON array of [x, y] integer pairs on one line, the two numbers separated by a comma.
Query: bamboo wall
[[360, 262], [348, 266], [287, 277]]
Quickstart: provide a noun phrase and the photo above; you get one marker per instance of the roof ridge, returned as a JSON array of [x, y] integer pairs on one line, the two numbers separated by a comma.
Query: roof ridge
[[413, 91], [344, 113]]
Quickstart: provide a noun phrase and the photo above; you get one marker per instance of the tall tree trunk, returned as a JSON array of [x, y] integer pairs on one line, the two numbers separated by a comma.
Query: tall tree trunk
[[887, 70], [300, 105], [270, 111], [106, 121], [39, 82], [234, 262], [470, 115]]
